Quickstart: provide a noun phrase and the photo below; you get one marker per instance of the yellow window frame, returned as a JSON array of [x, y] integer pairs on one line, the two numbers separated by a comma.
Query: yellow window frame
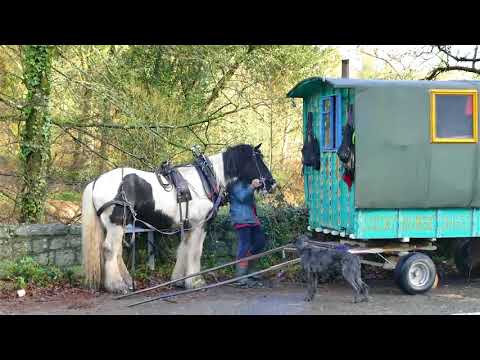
[[433, 123]]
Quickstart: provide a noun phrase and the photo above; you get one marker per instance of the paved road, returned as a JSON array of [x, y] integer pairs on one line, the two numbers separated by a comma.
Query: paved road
[[453, 297]]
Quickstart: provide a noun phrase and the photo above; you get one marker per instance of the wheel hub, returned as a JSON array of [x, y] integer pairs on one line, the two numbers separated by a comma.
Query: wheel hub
[[418, 275]]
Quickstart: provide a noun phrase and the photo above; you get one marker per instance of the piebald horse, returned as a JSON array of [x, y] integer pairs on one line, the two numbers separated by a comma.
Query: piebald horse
[[102, 235]]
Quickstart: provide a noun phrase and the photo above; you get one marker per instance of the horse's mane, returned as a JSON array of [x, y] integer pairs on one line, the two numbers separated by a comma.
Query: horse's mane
[[233, 156]]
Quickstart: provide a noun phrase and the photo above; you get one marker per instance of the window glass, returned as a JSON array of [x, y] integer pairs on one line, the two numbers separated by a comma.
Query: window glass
[[454, 116], [326, 125]]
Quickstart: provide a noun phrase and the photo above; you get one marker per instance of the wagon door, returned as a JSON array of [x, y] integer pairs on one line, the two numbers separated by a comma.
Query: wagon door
[[335, 196]]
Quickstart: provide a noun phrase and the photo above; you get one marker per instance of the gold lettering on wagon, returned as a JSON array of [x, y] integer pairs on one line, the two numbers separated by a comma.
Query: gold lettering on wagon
[[378, 224], [417, 223], [453, 223]]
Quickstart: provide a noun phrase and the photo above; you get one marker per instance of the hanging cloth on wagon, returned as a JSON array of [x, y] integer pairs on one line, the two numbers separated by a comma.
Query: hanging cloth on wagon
[[311, 148], [346, 151]]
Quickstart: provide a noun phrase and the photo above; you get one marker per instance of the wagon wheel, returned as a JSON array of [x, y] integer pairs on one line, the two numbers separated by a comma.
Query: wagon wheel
[[397, 271], [467, 257], [417, 274]]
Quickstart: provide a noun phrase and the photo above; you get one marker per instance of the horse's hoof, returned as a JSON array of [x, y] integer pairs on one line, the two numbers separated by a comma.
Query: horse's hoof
[[197, 283], [118, 287], [308, 299]]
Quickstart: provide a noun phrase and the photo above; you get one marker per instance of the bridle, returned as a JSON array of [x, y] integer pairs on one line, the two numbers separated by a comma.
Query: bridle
[[260, 177]]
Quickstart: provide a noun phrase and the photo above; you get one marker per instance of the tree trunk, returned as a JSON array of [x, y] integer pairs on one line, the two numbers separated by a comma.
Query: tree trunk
[[35, 134]]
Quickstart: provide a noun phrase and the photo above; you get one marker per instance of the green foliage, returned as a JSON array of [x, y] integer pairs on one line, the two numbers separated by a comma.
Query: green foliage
[[281, 225], [26, 270], [67, 196], [34, 153], [121, 105]]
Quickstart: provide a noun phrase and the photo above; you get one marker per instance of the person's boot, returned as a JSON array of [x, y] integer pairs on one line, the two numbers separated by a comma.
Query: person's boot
[[241, 270], [255, 280], [253, 267]]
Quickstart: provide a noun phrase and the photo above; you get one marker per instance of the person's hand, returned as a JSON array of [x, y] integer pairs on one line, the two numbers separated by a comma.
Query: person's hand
[[256, 183]]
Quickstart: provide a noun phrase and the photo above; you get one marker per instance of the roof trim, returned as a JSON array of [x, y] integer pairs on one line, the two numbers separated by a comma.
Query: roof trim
[[307, 86]]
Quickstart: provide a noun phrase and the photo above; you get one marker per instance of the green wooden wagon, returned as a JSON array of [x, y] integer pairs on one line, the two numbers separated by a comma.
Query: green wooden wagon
[[416, 172]]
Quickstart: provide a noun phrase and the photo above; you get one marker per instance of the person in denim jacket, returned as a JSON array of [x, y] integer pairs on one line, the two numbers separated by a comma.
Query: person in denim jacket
[[244, 218]]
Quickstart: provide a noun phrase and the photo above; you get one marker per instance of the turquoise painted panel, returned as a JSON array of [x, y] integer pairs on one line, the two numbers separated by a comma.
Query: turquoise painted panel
[[330, 202], [476, 222], [417, 223], [377, 224], [335, 193], [454, 222]]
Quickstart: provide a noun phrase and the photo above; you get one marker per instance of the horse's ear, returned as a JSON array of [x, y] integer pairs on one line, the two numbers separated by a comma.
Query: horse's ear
[[258, 146]]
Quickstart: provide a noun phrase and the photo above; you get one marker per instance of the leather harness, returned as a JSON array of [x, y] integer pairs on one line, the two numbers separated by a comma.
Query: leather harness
[[175, 180]]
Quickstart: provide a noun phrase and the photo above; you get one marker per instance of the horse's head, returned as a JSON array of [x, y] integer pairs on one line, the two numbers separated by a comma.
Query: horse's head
[[246, 163]]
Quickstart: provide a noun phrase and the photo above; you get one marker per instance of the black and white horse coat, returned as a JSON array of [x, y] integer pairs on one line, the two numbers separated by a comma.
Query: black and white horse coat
[[102, 235]]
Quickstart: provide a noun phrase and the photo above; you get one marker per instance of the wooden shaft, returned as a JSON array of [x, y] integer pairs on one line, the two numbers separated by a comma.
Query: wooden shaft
[[289, 262], [204, 271]]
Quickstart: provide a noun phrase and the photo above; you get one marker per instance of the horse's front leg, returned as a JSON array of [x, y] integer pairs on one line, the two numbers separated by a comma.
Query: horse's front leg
[[112, 249], [194, 256], [180, 269]]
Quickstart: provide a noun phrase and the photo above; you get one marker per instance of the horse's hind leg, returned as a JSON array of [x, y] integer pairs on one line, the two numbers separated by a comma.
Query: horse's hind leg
[[112, 249]]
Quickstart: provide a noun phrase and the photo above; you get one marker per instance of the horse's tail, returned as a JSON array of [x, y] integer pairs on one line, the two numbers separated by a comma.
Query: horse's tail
[[92, 239]]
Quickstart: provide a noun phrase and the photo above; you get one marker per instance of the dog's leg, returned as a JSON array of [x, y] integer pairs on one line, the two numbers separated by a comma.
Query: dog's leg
[[357, 267], [349, 276], [312, 285], [308, 297], [363, 289]]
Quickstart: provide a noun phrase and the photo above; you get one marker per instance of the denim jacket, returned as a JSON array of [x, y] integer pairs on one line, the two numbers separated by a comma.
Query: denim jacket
[[242, 204]]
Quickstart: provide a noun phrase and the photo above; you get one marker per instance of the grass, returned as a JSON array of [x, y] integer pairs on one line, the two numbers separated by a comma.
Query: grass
[[27, 271]]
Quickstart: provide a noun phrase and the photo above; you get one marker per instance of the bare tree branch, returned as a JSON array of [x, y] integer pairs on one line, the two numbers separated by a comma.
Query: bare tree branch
[[226, 77], [442, 69], [461, 62]]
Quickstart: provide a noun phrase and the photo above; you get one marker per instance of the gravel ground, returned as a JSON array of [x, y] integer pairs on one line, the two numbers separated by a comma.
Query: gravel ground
[[454, 296]]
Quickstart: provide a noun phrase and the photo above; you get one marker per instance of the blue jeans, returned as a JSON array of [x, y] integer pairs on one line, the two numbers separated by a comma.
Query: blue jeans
[[251, 241]]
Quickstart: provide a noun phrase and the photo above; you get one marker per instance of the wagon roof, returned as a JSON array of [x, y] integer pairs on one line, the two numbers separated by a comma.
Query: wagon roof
[[313, 84]]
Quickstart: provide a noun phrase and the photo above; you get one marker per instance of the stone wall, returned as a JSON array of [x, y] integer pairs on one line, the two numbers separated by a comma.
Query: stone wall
[[59, 244], [56, 244]]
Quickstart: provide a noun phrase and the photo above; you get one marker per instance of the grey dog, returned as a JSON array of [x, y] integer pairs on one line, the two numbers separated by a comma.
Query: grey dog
[[328, 263]]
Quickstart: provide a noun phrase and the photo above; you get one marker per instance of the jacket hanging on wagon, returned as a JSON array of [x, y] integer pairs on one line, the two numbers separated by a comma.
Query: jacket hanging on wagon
[[311, 148]]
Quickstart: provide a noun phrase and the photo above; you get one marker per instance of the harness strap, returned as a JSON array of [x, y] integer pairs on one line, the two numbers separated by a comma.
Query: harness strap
[[109, 203]]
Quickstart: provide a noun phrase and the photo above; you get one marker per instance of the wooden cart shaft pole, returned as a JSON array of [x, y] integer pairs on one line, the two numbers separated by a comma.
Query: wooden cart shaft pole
[[204, 271], [274, 267]]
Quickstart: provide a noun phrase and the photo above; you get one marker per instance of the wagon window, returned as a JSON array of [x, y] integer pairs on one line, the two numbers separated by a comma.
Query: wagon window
[[454, 116], [328, 123]]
